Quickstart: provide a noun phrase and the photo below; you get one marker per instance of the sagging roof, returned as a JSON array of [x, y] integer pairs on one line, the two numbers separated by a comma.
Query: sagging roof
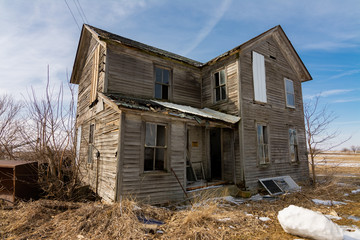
[[104, 35], [172, 109]]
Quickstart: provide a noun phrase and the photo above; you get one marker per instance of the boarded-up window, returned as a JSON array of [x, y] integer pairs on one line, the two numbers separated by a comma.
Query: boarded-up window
[[162, 83], [91, 142], [293, 145], [219, 86], [262, 144], [155, 147], [78, 144], [95, 75], [258, 64], [290, 96]]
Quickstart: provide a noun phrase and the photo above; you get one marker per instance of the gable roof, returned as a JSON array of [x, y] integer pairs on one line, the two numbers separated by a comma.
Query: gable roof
[[277, 32]]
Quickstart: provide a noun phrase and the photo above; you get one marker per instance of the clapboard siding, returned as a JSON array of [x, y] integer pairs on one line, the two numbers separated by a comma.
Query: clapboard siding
[[131, 72], [152, 187], [101, 173], [274, 113], [231, 104]]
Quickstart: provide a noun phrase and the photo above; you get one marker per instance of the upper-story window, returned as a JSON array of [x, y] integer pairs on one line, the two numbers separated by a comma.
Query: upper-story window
[[219, 86], [259, 79], [162, 83], [290, 96]]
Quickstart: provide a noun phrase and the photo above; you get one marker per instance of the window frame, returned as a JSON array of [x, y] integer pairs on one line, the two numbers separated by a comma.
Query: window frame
[[295, 146], [155, 147], [286, 92], [161, 83], [265, 158], [91, 143], [220, 86]]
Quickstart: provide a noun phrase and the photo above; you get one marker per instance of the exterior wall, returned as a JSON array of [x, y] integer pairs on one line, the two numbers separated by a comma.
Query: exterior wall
[[153, 187], [101, 173], [274, 113], [231, 104], [131, 73]]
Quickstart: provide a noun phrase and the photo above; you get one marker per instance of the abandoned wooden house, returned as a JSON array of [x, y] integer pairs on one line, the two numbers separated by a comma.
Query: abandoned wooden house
[[152, 124]]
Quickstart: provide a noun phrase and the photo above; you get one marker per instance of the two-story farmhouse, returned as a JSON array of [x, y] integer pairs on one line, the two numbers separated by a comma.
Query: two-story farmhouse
[[151, 124]]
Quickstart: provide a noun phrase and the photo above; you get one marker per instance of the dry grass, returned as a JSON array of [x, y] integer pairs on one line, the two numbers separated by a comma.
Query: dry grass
[[206, 219]]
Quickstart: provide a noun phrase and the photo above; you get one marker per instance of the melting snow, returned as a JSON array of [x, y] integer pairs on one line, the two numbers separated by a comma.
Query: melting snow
[[307, 223], [264, 219], [327, 202], [355, 191]]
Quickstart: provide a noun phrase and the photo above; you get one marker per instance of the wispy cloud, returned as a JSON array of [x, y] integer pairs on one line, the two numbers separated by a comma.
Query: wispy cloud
[[328, 93], [204, 32], [347, 100], [347, 73]]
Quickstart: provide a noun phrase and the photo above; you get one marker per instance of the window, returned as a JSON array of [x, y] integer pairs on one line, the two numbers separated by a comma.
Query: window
[[95, 74], [219, 86], [293, 145], [91, 142], [290, 96], [162, 83], [263, 144], [155, 147], [78, 144], [258, 64]]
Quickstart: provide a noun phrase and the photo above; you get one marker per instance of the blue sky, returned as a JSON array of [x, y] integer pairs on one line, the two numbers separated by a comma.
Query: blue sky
[[325, 33]]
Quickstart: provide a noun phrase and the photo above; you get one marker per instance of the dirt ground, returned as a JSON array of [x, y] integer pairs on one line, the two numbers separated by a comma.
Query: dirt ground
[[216, 218]]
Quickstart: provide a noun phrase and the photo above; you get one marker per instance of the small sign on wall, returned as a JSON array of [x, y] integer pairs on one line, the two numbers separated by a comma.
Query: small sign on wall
[[195, 144]]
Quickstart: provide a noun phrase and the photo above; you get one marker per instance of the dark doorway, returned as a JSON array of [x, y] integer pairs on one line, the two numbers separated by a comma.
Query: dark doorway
[[215, 153]]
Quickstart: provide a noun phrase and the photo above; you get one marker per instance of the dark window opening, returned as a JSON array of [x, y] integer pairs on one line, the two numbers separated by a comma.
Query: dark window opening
[[155, 147], [293, 145], [263, 144], [162, 83], [219, 85]]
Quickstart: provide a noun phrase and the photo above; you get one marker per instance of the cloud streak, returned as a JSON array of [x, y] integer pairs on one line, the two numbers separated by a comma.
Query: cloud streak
[[329, 93], [204, 32]]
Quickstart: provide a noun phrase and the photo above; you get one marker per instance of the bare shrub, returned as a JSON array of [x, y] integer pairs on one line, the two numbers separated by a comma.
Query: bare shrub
[[9, 126], [318, 136], [49, 132]]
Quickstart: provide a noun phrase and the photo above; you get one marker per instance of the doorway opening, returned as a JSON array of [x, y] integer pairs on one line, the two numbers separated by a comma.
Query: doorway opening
[[215, 153]]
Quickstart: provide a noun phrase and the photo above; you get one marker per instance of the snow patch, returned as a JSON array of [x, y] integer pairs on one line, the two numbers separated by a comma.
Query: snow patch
[[306, 223], [264, 219], [351, 233], [333, 217], [355, 191], [224, 219], [327, 202]]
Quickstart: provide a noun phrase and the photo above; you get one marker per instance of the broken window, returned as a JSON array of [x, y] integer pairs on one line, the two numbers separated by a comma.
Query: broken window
[[263, 144], [162, 83], [91, 141], [155, 147], [293, 145], [219, 86], [290, 96]]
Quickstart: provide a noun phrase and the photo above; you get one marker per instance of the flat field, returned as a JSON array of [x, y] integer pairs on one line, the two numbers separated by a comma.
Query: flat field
[[208, 217]]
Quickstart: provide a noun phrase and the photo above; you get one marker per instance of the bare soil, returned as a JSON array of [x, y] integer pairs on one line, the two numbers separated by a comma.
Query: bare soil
[[205, 219]]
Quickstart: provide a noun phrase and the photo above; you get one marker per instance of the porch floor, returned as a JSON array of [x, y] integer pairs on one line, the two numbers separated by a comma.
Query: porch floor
[[203, 184]]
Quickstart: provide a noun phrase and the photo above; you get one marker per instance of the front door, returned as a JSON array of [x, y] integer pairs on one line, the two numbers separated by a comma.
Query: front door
[[215, 153]]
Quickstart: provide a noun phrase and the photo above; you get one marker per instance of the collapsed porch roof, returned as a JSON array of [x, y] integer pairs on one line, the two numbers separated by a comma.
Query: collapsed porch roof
[[172, 109]]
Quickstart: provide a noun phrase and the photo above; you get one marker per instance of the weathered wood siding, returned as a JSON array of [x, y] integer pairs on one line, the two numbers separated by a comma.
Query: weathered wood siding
[[84, 89], [153, 187], [197, 149], [131, 72], [228, 154], [274, 113], [231, 104], [101, 173]]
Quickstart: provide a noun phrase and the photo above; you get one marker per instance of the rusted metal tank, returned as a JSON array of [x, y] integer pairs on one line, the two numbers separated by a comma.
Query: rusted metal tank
[[18, 180]]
